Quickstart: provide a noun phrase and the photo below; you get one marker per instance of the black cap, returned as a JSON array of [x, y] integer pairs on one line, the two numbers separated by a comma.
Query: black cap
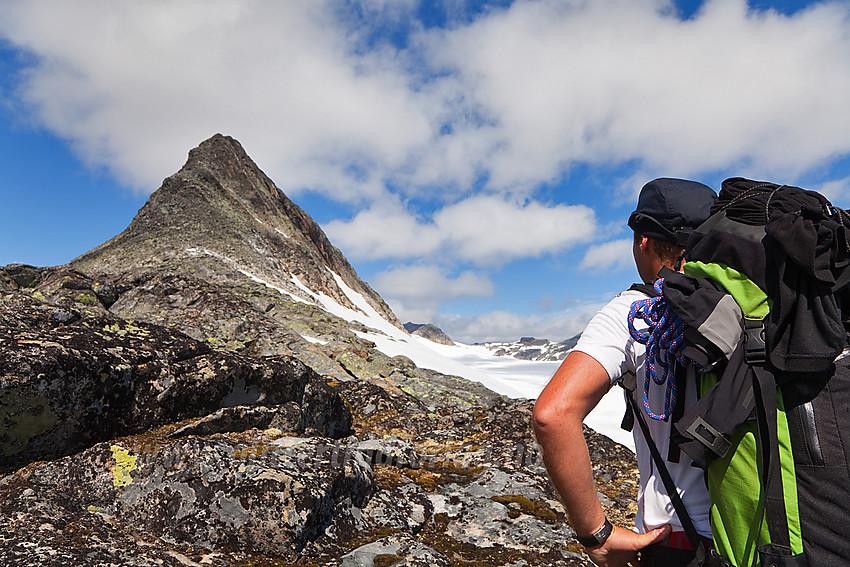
[[669, 209]]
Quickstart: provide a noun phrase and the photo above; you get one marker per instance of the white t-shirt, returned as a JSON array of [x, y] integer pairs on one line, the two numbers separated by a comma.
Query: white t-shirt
[[608, 341]]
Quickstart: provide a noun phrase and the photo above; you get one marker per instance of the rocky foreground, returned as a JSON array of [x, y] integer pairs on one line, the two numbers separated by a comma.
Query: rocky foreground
[[126, 443], [161, 407]]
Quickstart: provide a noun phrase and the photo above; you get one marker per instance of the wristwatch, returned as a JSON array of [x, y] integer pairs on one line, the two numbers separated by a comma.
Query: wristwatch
[[599, 537]]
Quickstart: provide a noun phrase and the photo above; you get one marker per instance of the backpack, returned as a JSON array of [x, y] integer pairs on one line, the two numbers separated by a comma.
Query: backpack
[[758, 323]]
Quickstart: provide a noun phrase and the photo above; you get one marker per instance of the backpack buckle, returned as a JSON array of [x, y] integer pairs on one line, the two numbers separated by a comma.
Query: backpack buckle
[[709, 436], [755, 349]]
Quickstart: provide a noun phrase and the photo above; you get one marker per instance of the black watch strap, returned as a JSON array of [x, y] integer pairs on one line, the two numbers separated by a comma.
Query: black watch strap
[[599, 537]]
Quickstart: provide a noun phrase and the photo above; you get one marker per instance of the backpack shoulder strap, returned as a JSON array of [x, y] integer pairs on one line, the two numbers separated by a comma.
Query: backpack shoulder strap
[[633, 413], [670, 486], [647, 289]]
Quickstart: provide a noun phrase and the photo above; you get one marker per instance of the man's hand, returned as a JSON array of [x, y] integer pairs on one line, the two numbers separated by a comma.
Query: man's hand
[[621, 548]]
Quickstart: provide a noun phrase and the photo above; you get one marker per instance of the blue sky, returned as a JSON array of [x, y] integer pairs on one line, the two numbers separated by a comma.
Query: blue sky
[[475, 161]]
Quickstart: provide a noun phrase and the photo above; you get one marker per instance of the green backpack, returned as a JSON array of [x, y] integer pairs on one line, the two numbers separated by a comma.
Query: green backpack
[[757, 323]]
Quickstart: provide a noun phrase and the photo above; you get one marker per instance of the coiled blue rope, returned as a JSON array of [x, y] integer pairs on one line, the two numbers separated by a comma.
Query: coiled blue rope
[[663, 340]]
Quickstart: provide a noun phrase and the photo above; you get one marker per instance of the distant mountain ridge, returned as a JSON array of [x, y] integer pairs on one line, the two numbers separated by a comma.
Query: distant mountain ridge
[[526, 348], [529, 348]]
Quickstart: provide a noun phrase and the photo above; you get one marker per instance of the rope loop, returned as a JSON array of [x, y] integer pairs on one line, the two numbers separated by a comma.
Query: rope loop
[[663, 340]]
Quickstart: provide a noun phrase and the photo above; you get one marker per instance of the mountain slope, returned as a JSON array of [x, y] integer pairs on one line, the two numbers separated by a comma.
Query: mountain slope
[[221, 218]]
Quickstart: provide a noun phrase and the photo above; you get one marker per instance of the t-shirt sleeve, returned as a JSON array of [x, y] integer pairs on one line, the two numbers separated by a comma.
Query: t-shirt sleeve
[[607, 338]]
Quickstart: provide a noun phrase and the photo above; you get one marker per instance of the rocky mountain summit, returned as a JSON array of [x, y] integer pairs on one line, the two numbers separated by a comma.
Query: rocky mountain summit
[[194, 392], [221, 215], [430, 332]]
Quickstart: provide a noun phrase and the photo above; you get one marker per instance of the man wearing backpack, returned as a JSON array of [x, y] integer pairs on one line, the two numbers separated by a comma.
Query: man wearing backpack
[[667, 211]]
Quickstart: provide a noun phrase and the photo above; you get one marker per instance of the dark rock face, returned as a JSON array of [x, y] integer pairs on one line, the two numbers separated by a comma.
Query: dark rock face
[[72, 378], [160, 407], [430, 332]]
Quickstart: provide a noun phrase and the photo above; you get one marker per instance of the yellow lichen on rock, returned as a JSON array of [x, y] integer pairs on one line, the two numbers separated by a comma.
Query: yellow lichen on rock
[[125, 463]]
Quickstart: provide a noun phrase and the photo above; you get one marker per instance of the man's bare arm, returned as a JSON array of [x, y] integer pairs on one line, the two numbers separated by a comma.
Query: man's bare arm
[[575, 389]]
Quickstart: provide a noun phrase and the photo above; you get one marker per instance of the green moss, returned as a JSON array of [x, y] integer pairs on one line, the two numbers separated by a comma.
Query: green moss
[[253, 451], [441, 522], [429, 481], [465, 554], [387, 476], [25, 416], [453, 469], [432, 447], [87, 298], [386, 560], [430, 477], [527, 506]]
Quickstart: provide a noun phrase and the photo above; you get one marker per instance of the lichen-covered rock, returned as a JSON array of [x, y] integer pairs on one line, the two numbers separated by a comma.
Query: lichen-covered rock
[[69, 379], [21, 275], [216, 458], [259, 495], [396, 550], [499, 508], [325, 411], [284, 417]]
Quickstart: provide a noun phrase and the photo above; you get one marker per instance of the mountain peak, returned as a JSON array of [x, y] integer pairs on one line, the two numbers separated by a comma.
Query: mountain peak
[[222, 218], [223, 159]]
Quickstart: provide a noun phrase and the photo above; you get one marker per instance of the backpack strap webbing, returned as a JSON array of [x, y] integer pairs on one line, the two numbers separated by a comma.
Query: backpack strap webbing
[[647, 289], [670, 486], [764, 389], [773, 506]]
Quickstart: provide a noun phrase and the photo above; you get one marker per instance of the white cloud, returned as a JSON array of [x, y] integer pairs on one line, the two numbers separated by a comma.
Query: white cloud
[[495, 230], [609, 256], [483, 229], [415, 281], [385, 230], [417, 292], [523, 92], [507, 326], [614, 80], [135, 85], [837, 191]]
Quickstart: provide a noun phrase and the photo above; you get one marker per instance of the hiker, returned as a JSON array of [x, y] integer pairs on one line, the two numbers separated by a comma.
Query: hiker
[[667, 211], [758, 322]]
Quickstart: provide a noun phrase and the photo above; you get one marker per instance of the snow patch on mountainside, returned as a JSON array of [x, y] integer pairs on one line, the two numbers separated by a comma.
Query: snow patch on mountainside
[[506, 375]]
